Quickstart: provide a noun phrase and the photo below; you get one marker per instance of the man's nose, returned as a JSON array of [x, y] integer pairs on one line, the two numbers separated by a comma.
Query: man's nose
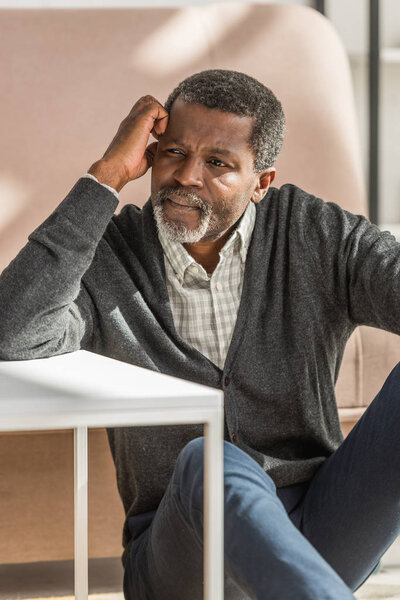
[[189, 173]]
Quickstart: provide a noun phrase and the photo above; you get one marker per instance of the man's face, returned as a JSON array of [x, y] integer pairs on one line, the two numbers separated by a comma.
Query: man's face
[[203, 175]]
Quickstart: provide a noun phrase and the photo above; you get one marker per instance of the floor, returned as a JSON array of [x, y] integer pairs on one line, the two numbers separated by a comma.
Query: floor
[[55, 580], [384, 585]]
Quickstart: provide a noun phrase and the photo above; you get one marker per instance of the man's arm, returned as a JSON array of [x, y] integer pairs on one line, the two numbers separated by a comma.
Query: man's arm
[[358, 264], [44, 307], [37, 290]]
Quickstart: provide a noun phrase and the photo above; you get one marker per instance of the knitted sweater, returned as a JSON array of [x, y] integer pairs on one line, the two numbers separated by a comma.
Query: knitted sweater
[[88, 279]]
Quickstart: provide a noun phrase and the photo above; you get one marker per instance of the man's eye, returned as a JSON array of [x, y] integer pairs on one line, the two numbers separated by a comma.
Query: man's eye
[[174, 150], [217, 163]]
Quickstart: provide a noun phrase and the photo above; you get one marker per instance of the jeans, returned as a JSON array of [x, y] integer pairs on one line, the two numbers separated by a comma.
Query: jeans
[[317, 540]]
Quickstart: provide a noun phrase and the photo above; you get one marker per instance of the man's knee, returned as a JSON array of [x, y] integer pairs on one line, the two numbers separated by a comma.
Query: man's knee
[[193, 454], [391, 385], [396, 371], [189, 471], [237, 463], [190, 464], [191, 457]]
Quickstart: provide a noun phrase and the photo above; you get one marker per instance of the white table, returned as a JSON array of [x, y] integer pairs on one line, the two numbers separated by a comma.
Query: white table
[[81, 390]]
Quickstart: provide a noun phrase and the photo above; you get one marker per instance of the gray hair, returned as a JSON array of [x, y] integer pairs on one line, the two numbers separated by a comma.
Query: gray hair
[[238, 93]]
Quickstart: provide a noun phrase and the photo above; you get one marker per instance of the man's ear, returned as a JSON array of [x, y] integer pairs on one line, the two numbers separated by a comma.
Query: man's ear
[[264, 180]]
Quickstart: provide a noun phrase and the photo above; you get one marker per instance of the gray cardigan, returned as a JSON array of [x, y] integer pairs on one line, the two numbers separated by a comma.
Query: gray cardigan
[[88, 279]]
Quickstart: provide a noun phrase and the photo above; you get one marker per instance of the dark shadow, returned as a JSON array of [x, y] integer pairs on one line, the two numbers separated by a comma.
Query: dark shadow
[[56, 578]]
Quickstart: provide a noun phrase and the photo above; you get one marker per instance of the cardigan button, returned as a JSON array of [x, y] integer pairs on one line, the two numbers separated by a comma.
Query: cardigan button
[[227, 380], [234, 437]]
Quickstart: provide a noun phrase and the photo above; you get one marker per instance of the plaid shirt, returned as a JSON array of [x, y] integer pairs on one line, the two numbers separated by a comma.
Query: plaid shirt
[[204, 306]]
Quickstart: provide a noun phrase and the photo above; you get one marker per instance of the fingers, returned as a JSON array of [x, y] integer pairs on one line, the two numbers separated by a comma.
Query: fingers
[[150, 153], [150, 107], [159, 127]]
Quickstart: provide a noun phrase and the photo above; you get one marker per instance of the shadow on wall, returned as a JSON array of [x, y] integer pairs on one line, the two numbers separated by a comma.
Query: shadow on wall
[[71, 76]]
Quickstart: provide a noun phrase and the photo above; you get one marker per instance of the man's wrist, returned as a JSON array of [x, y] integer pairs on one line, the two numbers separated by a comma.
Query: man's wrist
[[108, 187], [107, 175]]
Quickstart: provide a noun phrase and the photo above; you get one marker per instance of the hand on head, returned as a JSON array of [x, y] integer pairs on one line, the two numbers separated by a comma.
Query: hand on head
[[130, 155]]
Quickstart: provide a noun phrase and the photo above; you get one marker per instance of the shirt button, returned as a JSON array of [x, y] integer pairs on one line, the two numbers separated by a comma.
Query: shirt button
[[218, 286], [234, 437], [227, 380]]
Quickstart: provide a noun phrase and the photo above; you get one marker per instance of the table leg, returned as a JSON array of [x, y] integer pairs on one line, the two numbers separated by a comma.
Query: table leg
[[81, 512], [214, 508]]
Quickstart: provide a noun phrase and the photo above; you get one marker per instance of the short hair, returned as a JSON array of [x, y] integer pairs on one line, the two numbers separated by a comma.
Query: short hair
[[238, 93]]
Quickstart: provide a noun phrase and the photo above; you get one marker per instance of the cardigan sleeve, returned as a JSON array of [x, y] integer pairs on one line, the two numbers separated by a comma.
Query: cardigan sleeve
[[45, 308], [358, 264]]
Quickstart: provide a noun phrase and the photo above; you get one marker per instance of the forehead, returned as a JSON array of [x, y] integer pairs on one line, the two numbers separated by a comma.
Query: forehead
[[200, 126]]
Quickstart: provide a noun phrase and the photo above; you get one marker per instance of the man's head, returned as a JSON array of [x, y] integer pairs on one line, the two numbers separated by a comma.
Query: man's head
[[240, 94], [224, 133]]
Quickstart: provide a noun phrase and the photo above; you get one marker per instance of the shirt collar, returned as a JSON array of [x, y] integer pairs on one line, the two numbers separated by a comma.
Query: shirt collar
[[180, 259], [244, 230]]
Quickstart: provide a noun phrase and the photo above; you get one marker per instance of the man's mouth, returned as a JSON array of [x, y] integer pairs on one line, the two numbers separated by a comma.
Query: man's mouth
[[180, 206]]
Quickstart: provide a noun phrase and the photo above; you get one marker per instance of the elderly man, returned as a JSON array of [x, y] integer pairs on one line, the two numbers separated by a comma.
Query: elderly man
[[223, 280]]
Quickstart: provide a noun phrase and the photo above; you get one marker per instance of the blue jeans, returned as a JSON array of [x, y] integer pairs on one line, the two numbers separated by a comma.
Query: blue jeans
[[317, 540]]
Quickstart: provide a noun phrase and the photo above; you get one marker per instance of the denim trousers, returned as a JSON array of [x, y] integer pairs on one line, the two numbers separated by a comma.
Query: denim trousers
[[316, 540]]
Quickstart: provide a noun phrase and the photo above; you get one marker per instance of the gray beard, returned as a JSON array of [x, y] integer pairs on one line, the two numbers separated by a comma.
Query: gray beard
[[178, 232]]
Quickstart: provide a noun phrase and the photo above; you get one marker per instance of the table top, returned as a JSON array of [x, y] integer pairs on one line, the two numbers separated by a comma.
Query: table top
[[85, 388]]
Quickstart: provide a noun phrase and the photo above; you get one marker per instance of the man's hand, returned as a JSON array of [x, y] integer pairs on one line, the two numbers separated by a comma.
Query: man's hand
[[128, 156]]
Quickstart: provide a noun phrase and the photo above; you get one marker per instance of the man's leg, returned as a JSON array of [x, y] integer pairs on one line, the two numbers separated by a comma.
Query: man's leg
[[351, 511], [266, 557]]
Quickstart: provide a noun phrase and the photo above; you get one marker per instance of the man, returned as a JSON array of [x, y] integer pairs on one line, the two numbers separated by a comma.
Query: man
[[225, 281]]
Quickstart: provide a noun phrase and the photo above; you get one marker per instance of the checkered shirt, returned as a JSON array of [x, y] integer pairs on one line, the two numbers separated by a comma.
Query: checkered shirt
[[204, 307]]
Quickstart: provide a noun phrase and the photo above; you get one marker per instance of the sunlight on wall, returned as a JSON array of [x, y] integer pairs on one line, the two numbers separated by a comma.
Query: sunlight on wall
[[164, 53], [13, 196]]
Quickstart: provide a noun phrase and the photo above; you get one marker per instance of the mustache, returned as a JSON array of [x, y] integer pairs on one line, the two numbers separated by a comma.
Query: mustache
[[191, 198]]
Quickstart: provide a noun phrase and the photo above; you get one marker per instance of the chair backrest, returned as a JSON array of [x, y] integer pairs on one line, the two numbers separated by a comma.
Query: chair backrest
[[70, 76]]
